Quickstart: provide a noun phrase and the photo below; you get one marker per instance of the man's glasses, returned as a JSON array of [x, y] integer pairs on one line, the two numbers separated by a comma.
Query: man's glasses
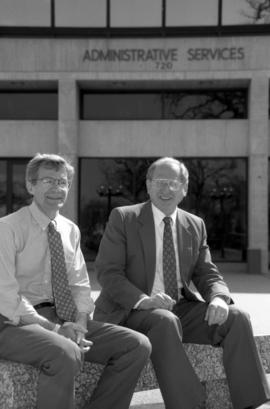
[[50, 182], [171, 183]]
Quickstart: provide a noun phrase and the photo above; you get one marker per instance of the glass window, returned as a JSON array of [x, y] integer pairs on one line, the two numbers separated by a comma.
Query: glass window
[[121, 106], [20, 195], [206, 104], [28, 105], [3, 187], [136, 13], [245, 12], [191, 13], [217, 192], [25, 13], [201, 104], [80, 13], [13, 193]]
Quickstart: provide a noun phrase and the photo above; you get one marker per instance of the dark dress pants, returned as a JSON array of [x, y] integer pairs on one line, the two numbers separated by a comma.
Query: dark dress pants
[[178, 382], [123, 352]]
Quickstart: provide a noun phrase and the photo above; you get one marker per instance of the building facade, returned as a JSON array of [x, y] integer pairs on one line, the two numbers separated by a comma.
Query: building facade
[[113, 87]]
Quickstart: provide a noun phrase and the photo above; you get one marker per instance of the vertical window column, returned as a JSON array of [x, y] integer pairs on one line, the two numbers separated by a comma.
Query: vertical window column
[[68, 134], [258, 175]]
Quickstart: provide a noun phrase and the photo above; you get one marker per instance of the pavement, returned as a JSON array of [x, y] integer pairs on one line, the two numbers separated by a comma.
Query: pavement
[[251, 292]]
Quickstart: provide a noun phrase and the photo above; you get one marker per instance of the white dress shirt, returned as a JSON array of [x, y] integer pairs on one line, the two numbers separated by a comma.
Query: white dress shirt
[[25, 270]]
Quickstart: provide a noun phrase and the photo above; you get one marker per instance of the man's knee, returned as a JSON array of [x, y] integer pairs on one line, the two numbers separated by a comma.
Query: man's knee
[[239, 317], [166, 323], [144, 346], [137, 345], [62, 357]]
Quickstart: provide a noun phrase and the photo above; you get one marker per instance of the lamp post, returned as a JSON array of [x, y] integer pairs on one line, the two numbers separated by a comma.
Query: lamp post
[[109, 192], [221, 194]]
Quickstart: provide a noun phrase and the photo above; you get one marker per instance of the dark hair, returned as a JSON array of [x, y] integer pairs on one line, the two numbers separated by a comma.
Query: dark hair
[[50, 161], [169, 160]]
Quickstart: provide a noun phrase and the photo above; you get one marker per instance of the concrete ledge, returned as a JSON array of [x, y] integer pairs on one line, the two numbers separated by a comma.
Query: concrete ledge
[[18, 382], [151, 399]]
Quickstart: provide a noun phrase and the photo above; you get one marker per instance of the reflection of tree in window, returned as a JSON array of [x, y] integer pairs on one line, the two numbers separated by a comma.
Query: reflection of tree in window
[[3, 206], [131, 175], [258, 12], [216, 104], [20, 196], [217, 193], [3, 188], [123, 183]]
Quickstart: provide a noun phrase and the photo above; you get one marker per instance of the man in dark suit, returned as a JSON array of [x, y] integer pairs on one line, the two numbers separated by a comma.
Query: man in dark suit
[[133, 269]]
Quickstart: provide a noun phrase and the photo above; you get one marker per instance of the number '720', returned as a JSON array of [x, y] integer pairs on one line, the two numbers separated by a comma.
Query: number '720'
[[164, 65]]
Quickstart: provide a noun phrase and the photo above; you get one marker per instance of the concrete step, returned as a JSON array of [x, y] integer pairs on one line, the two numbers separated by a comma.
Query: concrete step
[[16, 378], [152, 399]]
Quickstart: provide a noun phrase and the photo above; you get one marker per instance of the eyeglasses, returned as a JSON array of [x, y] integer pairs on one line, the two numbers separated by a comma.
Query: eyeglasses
[[171, 183], [50, 182]]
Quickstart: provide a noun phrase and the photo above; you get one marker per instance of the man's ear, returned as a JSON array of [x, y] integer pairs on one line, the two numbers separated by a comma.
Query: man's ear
[[147, 185], [29, 187], [185, 189]]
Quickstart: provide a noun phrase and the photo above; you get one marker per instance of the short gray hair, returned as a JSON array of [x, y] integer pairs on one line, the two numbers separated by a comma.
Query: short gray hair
[[50, 161], [183, 170]]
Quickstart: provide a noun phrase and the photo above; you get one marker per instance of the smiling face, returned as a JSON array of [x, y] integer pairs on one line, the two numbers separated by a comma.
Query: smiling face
[[164, 195], [49, 198]]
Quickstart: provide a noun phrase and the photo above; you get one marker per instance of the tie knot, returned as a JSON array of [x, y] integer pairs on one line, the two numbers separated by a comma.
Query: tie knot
[[51, 227], [167, 220]]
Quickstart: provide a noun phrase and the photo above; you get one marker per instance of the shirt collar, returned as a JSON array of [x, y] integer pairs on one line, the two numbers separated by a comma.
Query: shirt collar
[[159, 215], [41, 218]]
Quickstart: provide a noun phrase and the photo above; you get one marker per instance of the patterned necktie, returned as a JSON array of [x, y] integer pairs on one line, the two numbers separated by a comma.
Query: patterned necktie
[[169, 261], [64, 303]]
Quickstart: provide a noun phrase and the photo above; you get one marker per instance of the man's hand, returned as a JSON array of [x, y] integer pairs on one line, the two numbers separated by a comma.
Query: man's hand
[[83, 343], [68, 331], [217, 311], [160, 300], [76, 332]]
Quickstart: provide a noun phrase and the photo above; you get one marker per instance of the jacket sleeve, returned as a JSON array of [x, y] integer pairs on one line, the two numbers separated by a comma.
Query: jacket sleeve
[[206, 275], [111, 264]]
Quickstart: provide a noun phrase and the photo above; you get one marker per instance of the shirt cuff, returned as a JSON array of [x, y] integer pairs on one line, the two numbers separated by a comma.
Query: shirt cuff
[[226, 298], [139, 302], [25, 310]]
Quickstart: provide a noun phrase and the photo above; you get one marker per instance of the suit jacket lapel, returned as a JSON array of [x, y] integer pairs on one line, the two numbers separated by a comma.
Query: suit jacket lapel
[[147, 235], [184, 245]]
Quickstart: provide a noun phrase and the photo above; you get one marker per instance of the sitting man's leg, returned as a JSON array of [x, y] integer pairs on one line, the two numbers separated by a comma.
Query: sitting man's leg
[[245, 374], [124, 353], [58, 358], [179, 385]]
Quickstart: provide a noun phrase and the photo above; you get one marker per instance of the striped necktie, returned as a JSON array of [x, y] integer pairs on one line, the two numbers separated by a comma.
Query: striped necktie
[[169, 260], [64, 303]]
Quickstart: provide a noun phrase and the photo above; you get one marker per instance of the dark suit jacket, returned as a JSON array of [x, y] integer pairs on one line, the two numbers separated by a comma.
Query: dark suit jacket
[[125, 263]]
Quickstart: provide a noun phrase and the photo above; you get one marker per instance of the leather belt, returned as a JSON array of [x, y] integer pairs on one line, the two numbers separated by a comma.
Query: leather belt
[[44, 304]]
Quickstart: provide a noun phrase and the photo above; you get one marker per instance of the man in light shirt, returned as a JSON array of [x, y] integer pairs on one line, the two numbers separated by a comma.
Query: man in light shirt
[[130, 270], [31, 332]]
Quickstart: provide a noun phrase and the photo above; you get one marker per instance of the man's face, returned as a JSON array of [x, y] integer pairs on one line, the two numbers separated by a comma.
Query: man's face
[[164, 189], [50, 190]]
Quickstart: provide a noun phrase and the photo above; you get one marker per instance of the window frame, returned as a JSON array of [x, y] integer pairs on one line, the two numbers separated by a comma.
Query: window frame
[[138, 32]]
